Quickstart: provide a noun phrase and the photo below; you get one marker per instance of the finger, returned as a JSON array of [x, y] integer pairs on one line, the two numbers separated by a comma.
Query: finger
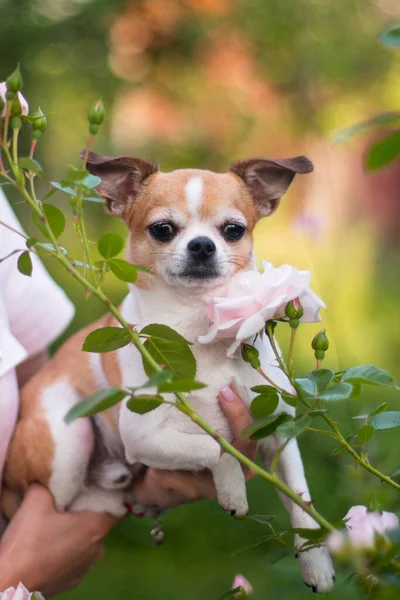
[[38, 498], [238, 418], [152, 491], [190, 486], [95, 525]]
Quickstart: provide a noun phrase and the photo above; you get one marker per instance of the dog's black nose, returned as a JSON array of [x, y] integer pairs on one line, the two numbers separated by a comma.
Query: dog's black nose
[[201, 248]]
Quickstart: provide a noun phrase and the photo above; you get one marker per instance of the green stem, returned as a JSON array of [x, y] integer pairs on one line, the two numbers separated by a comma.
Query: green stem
[[342, 441], [265, 376], [290, 351], [15, 145], [270, 477], [6, 123]]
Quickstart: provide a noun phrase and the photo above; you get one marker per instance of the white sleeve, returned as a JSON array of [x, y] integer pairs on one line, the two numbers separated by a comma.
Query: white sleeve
[[37, 309]]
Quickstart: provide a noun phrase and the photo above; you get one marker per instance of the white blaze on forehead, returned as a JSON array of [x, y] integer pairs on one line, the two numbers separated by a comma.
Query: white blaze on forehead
[[194, 194]]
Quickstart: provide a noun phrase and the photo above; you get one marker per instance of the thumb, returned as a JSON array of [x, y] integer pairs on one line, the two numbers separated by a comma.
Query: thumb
[[38, 498]]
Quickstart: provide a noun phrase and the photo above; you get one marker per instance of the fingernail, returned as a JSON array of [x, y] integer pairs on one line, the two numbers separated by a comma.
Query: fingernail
[[227, 394]]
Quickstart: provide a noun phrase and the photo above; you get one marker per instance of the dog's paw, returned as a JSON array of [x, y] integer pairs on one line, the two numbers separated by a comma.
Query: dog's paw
[[102, 501], [317, 569], [231, 486]]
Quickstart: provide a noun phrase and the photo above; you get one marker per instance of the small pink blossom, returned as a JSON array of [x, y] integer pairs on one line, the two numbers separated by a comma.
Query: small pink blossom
[[244, 584], [362, 527], [21, 593], [24, 104], [252, 298]]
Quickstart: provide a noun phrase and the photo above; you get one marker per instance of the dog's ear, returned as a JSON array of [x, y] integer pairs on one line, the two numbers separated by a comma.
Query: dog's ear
[[121, 179], [268, 179]]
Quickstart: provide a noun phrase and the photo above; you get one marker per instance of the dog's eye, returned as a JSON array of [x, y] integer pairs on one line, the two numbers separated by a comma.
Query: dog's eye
[[233, 231], [163, 231]]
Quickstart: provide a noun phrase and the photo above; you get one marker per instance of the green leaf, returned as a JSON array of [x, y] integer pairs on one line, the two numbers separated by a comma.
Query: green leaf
[[184, 385], [50, 247], [391, 36], [110, 244], [380, 408], [30, 164], [355, 394], [292, 429], [55, 219], [270, 559], [289, 399], [97, 199], [64, 186], [95, 403], [176, 356], [76, 173], [263, 427], [263, 389], [338, 391], [265, 404], [365, 433], [163, 332], [322, 378], [31, 242], [382, 120], [157, 379], [368, 375], [383, 152], [123, 270], [91, 181], [144, 404], [310, 534], [308, 386], [106, 339], [25, 264], [386, 420]]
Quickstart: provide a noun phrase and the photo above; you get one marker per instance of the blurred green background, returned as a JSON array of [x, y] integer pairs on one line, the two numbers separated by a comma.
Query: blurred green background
[[201, 83]]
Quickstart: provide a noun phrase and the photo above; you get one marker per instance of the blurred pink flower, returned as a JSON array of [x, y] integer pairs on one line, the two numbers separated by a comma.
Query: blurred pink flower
[[252, 298], [22, 101], [241, 581], [361, 529], [21, 593]]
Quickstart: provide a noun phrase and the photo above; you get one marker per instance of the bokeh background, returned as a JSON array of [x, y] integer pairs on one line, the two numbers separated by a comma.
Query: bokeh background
[[200, 83]]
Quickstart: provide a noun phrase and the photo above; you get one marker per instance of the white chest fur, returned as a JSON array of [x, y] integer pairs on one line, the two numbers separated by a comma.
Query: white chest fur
[[186, 313]]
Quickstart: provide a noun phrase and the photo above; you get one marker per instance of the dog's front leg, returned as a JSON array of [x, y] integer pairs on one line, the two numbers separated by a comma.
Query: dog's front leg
[[316, 565]]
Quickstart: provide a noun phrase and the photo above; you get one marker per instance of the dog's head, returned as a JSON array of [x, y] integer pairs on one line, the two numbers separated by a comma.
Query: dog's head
[[193, 227]]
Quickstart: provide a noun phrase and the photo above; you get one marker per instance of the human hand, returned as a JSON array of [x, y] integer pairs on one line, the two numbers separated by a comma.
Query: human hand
[[167, 489], [47, 550]]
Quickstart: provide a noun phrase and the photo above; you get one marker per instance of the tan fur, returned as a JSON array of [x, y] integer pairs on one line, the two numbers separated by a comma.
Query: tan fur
[[32, 447], [221, 191]]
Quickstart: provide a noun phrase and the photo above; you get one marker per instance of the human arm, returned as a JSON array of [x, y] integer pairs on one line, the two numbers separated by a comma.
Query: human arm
[[47, 550]]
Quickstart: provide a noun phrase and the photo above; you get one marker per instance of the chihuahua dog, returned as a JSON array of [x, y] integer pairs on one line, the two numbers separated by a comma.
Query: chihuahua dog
[[193, 229]]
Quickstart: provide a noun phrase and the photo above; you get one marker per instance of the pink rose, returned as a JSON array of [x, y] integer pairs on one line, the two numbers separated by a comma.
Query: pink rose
[[21, 593], [252, 298], [246, 587], [22, 101], [362, 528]]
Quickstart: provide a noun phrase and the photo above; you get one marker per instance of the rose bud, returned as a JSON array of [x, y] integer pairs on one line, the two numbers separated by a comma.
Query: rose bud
[[246, 589], [96, 116], [39, 124], [14, 83], [250, 355], [320, 341], [294, 309], [20, 107], [320, 344]]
